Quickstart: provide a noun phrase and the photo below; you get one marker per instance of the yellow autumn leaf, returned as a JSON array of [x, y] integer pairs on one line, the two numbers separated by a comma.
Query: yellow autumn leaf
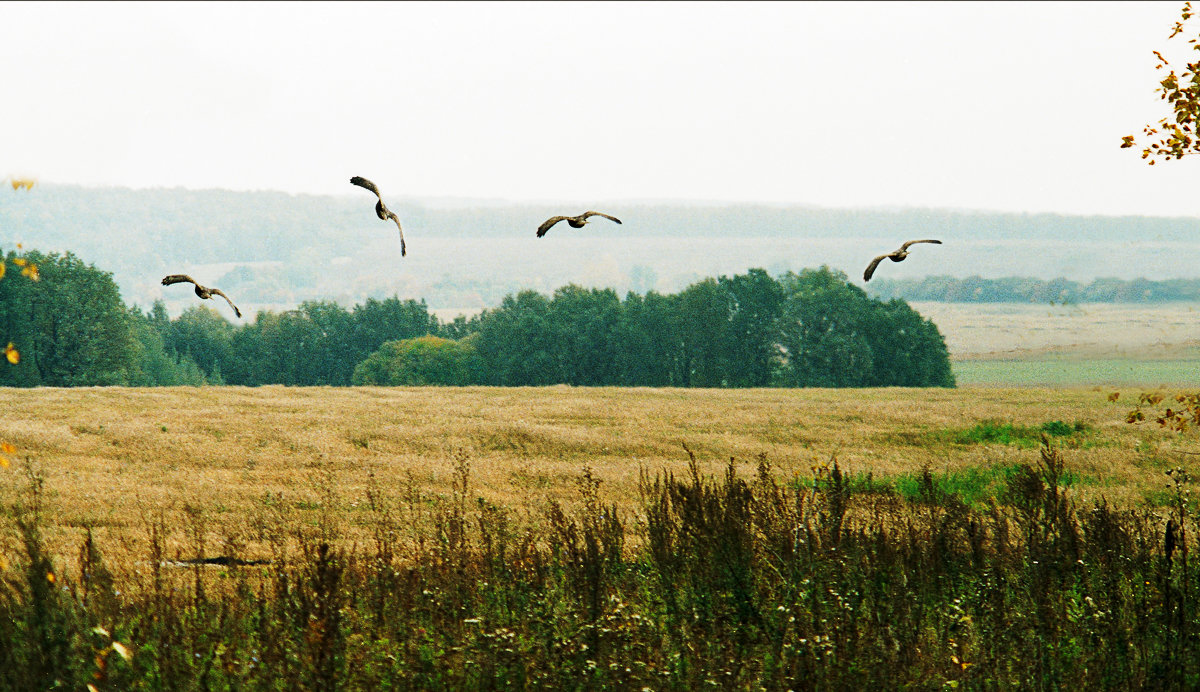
[[3, 268], [50, 577], [19, 261], [4, 462], [32, 272], [12, 354]]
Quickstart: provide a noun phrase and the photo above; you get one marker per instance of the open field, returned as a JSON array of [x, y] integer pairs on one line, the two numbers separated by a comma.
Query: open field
[[456, 538], [1073, 370], [1015, 330], [113, 457], [1088, 344]]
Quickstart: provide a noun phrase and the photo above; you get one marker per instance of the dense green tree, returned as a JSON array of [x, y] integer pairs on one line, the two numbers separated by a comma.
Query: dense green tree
[[833, 335], [72, 326], [583, 323], [756, 304], [906, 349], [153, 366], [516, 343], [425, 360], [202, 335], [704, 329], [332, 352], [823, 331], [649, 346], [377, 321]]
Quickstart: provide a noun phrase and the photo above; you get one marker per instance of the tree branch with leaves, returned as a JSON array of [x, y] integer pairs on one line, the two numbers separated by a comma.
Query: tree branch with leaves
[[1178, 134]]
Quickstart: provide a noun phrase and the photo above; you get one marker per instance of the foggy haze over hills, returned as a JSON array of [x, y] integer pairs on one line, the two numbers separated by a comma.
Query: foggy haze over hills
[[275, 250]]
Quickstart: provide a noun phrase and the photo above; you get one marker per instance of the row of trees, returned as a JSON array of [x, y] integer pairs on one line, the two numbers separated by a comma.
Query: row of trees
[[748, 330], [1013, 289]]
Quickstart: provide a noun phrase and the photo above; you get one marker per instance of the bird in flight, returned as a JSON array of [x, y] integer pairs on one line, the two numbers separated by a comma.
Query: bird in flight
[[381, 209], [202, 291], [574, 221], [897, 256]]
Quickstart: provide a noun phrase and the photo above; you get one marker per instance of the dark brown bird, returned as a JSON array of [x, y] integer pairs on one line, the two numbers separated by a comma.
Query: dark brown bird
[[381, 209], [897, 256], [202, 291], [574, 221]]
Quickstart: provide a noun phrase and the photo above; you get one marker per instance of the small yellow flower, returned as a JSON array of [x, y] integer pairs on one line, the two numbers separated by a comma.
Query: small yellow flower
[[12, 354], [19, 261]]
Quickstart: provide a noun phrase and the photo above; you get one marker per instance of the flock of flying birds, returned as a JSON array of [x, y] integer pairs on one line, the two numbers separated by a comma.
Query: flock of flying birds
[[386, 214]]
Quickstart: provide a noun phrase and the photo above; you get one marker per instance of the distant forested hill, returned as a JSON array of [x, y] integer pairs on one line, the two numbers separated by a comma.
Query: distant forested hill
[[1013, 289], [276, 250]]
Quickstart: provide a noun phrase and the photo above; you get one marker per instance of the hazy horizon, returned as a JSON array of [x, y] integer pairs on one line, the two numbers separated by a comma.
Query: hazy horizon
[[465, 202]]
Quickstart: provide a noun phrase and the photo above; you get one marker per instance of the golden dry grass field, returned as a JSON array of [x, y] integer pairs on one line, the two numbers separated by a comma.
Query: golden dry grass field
[[115, 458]]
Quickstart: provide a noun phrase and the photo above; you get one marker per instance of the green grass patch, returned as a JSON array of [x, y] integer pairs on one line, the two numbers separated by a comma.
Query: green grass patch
[[1008, 433], [1076, 434], [973, 486]]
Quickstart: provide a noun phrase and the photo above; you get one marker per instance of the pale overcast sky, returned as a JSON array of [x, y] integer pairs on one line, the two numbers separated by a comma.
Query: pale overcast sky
[[1009, 106]]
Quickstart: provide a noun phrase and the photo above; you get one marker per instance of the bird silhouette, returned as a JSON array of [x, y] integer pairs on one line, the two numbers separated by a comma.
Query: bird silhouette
[[202, 291], [381, 209], [897, 256], [574, 221]]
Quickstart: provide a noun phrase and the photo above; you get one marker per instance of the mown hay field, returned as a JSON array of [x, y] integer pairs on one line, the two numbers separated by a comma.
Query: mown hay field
[[115, 458]]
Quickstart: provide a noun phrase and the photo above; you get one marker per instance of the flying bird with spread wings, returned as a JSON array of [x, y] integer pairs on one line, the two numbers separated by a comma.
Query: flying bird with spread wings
[[381, 209], [202, 291], [897, 256], [574, 221]]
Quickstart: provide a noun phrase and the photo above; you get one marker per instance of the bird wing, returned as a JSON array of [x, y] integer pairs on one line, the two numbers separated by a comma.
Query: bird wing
[[549, 222], [395, 218], [219, 292], [177, 279], [596, 213], [363, 182], [871, 268], [914, 242]]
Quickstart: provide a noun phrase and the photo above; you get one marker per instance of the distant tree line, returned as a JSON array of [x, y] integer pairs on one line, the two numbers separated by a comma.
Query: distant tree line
[[162, 229], [1013, 289], [749, 330]]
